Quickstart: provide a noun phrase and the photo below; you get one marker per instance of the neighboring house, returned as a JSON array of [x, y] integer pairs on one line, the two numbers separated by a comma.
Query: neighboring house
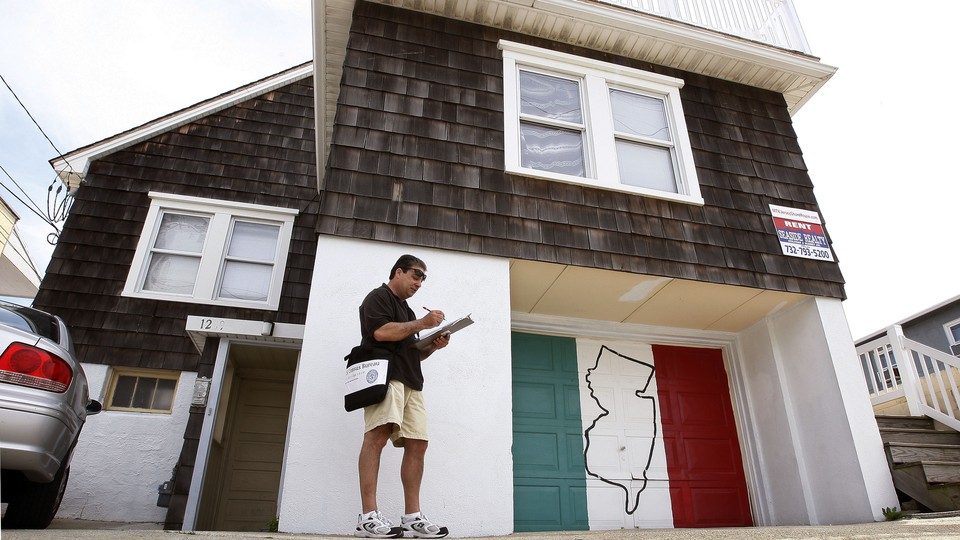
[[618, 198], [932, 387], [210, 211], [937, 326], [912, 374], [19, 277]]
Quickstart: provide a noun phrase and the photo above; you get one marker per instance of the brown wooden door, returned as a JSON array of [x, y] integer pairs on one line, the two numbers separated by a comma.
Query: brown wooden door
[[248, 501], [707, 486]]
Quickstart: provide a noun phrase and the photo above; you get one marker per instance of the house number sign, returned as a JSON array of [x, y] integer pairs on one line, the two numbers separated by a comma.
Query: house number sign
[[800, 233]]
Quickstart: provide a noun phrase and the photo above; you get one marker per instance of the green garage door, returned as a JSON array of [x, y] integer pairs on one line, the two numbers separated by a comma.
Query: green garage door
[[549, 483]]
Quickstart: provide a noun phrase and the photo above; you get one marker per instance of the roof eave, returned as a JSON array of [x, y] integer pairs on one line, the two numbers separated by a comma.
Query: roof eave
[[72, 167]]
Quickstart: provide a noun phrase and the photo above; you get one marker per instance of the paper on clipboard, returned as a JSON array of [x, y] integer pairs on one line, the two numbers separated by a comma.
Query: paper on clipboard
[[455, 326]]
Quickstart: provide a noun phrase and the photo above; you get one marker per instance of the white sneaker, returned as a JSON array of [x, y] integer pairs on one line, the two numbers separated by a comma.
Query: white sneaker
[[376, 526], [421, 527]]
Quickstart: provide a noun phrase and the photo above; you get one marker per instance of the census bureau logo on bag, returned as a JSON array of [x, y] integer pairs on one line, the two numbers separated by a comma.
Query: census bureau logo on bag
[[366, 374]]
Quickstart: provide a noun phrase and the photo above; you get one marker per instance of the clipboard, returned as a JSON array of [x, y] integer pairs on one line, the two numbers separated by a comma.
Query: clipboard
[[453, 327]]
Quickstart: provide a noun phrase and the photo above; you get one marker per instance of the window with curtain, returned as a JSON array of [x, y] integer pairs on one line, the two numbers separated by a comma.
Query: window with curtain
[[208, 251], [176, 253], [551, 124], [577, 120], [249, 262]]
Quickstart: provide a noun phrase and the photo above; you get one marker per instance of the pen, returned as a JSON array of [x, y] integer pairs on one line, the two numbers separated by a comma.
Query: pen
[[428, 309]]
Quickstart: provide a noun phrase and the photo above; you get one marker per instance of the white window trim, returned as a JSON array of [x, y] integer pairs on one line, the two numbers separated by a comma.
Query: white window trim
[[208, 277], [946, 328], [597, 77]]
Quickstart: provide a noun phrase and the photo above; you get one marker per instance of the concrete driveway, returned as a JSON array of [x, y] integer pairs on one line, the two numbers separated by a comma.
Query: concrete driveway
[[935, 528]]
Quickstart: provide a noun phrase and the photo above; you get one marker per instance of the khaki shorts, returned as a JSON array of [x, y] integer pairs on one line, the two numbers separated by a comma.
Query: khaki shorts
[[404, 408]]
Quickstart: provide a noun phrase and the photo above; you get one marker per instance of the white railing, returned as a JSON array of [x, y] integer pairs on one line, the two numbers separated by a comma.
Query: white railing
[[773, 22], [895, 366]]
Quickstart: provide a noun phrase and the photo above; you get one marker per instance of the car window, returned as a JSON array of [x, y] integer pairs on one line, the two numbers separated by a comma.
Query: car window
[[30, 320]]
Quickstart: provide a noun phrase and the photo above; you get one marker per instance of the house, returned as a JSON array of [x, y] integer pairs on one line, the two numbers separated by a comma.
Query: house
[[207, 212], [19, 277], [937, 326], [913, 379], [932, 338], [616, 196]]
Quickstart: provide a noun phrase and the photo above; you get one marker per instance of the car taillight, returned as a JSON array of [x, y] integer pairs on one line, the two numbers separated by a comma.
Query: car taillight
[[24, 365]]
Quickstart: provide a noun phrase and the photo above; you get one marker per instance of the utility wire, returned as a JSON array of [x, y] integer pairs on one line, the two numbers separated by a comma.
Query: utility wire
[[24, 255], [35, 206], [32, 206], [55, 211], [59, 153]]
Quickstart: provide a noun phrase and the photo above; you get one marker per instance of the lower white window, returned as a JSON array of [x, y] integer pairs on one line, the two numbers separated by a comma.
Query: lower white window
[[212, 252]]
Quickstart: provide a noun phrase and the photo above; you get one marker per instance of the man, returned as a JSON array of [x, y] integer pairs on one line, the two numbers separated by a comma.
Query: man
[[387, 321]]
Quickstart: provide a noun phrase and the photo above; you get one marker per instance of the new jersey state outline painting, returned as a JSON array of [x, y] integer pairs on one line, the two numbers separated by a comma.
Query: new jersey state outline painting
[[605, 355]]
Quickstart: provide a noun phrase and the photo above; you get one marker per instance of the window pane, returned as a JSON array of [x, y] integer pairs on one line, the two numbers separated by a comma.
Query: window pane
[[163, 398], [171, 273], [955, 332], [646, 166], [639, 115], [551, 149], [123, 391], [143, 395], [550, 97], [254, 241], [179, 232], [246, 281]]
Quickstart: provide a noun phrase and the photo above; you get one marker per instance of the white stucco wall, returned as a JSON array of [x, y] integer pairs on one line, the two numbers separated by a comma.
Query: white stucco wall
[[468, 479], [122, 457], [824, 419], [779, 492]]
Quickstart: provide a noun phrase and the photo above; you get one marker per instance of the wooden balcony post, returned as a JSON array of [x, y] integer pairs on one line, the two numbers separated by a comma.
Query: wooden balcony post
[[909, 378]]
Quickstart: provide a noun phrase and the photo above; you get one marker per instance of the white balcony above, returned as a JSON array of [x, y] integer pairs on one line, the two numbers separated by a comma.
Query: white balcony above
[[773, 22]]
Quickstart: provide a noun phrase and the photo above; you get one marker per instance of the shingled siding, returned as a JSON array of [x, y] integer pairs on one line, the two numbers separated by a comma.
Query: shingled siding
[[260, 151], [417, 157]]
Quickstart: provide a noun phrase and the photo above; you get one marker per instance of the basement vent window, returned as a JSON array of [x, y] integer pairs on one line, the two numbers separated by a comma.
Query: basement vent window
[[208, 251], [577, 120], [149, 391]]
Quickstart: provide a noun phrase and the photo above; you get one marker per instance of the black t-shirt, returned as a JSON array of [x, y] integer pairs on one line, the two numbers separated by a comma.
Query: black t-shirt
[[380, 307]]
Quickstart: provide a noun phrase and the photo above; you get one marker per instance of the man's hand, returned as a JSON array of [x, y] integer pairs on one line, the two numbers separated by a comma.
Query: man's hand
[[397, 331], [442, 341], [432, 319]]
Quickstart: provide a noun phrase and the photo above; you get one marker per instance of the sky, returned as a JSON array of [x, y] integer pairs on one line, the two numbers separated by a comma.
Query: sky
[[877, 138]]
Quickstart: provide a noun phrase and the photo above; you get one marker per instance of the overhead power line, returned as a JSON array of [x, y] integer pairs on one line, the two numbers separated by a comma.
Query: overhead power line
[[56, 210], [24, 107], [29, 203]]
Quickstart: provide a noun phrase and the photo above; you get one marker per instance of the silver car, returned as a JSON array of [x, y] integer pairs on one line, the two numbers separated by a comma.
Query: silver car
[[44, 402]]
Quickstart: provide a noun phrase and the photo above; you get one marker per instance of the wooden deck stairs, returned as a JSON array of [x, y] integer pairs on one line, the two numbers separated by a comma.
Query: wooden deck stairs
[[924, 461]]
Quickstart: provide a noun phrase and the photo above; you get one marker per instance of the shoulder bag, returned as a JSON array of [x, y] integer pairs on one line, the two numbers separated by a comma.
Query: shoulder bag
[[368, 376]]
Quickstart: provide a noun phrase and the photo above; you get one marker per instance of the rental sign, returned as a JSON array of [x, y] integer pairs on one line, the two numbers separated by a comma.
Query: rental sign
[[800, 233]]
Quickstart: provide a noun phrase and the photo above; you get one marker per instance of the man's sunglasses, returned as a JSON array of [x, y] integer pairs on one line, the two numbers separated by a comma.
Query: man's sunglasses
[[417, 273]]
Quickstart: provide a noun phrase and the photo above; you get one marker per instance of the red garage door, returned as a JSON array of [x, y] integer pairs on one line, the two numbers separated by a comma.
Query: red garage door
[[707, 485]]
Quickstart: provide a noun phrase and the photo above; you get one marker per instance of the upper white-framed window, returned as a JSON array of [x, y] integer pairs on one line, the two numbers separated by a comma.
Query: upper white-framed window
[[572, 119], [209, 251], [952, 329]]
